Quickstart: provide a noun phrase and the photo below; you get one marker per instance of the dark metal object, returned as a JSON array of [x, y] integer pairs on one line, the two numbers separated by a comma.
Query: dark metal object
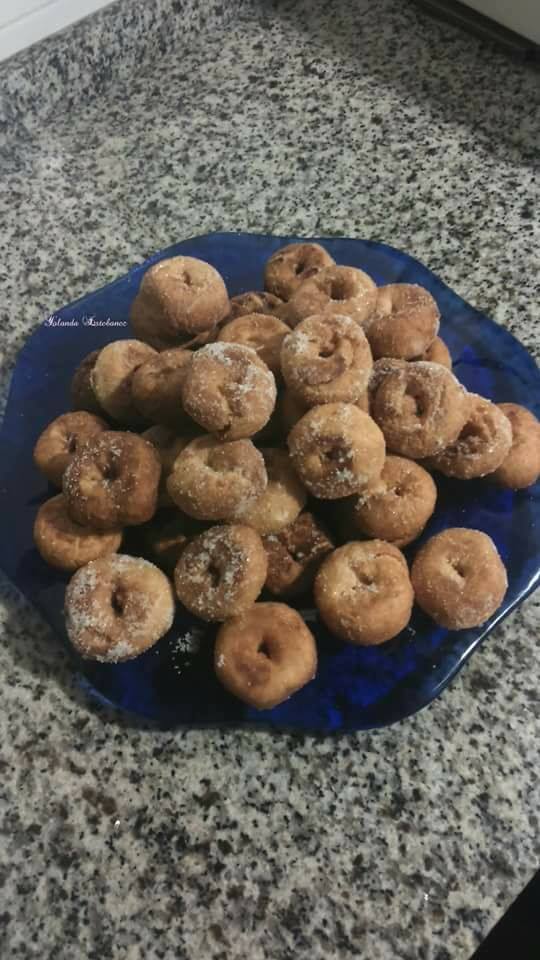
[[458, 13]]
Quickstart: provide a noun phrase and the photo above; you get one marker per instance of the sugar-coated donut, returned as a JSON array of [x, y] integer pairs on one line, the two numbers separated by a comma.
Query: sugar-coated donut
[[363, 592], [113, 481], [117, 607], [283, 498], [81, 391], [420, 407], [265, 655], [179, 299], [334, 290], [521, 466], [229, 391], [62, 440], [459, 578], [326, 360], [212, 480], [289, 266], [157, 389], [65, 544], [398, 504], [482, 444], [168, 445], [262, 333], [112, 377], [294, 556], [404, 323], [437, 352], [221, 572], [336, 450], [255, 301]]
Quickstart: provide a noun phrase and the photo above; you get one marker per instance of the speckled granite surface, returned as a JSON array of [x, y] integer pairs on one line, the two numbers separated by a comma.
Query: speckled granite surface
[[402, 844]]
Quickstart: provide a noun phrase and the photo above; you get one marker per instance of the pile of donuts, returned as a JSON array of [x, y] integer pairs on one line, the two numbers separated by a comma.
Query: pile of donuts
[[282, 443]]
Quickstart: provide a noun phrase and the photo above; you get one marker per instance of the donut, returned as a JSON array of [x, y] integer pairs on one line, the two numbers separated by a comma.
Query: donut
[[81, 391], [482, 444], [283, 498], [178, 299], [112, 377], [363, 592], [168, 445], [113, 481], [420, 407], [116, 607], [289, 266], [326, 360], [521, 466], [289, 408], [62, 439], [256, 301], [262, 333], [459, 579], [437, 352], [265, 655], [345, 291], [294, 556], [65, 544], [229, 391], [211, 480], [157, 389], [404, 323], [221, 572], [164, 537], [398, 505], [337, 450]]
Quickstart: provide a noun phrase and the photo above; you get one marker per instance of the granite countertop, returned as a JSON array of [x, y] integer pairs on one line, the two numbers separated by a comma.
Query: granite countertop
[[120, 841]]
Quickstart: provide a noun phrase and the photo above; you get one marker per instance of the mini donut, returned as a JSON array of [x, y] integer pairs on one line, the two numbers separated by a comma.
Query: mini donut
[[336, 449], [398, 505], [283, 498], [256, 301], [164, 537], [81, 391], [437, 352], [289, 266], [157, 389], [363, 592], [265, 655], [326, 360], [178, 299], [262, 333], [459, 578], [168, 445], [404, 323], [345, 291], [521, 466], [65, 544], [211, 480], [420, 407], [112, 378], [294, 556], [113, 481], [482, 444], [229, 391], [289, 408], [221, 572], [62, 439], [117, 607]]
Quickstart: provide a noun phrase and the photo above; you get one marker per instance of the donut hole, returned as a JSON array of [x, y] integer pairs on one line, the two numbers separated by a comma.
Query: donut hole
[[214, 575], [399, 490], [413, 404], [118, 601], [264, 649], [335, 453], [71, 443], [299, 267], [339, 289], [459, 568], [110, 471]]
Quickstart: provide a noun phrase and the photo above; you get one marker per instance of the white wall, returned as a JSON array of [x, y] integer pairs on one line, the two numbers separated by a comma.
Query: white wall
[[523, 16], [23, 22]]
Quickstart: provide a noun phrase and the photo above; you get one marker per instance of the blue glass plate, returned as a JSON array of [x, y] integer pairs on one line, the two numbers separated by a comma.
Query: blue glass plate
[[355, 688]]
